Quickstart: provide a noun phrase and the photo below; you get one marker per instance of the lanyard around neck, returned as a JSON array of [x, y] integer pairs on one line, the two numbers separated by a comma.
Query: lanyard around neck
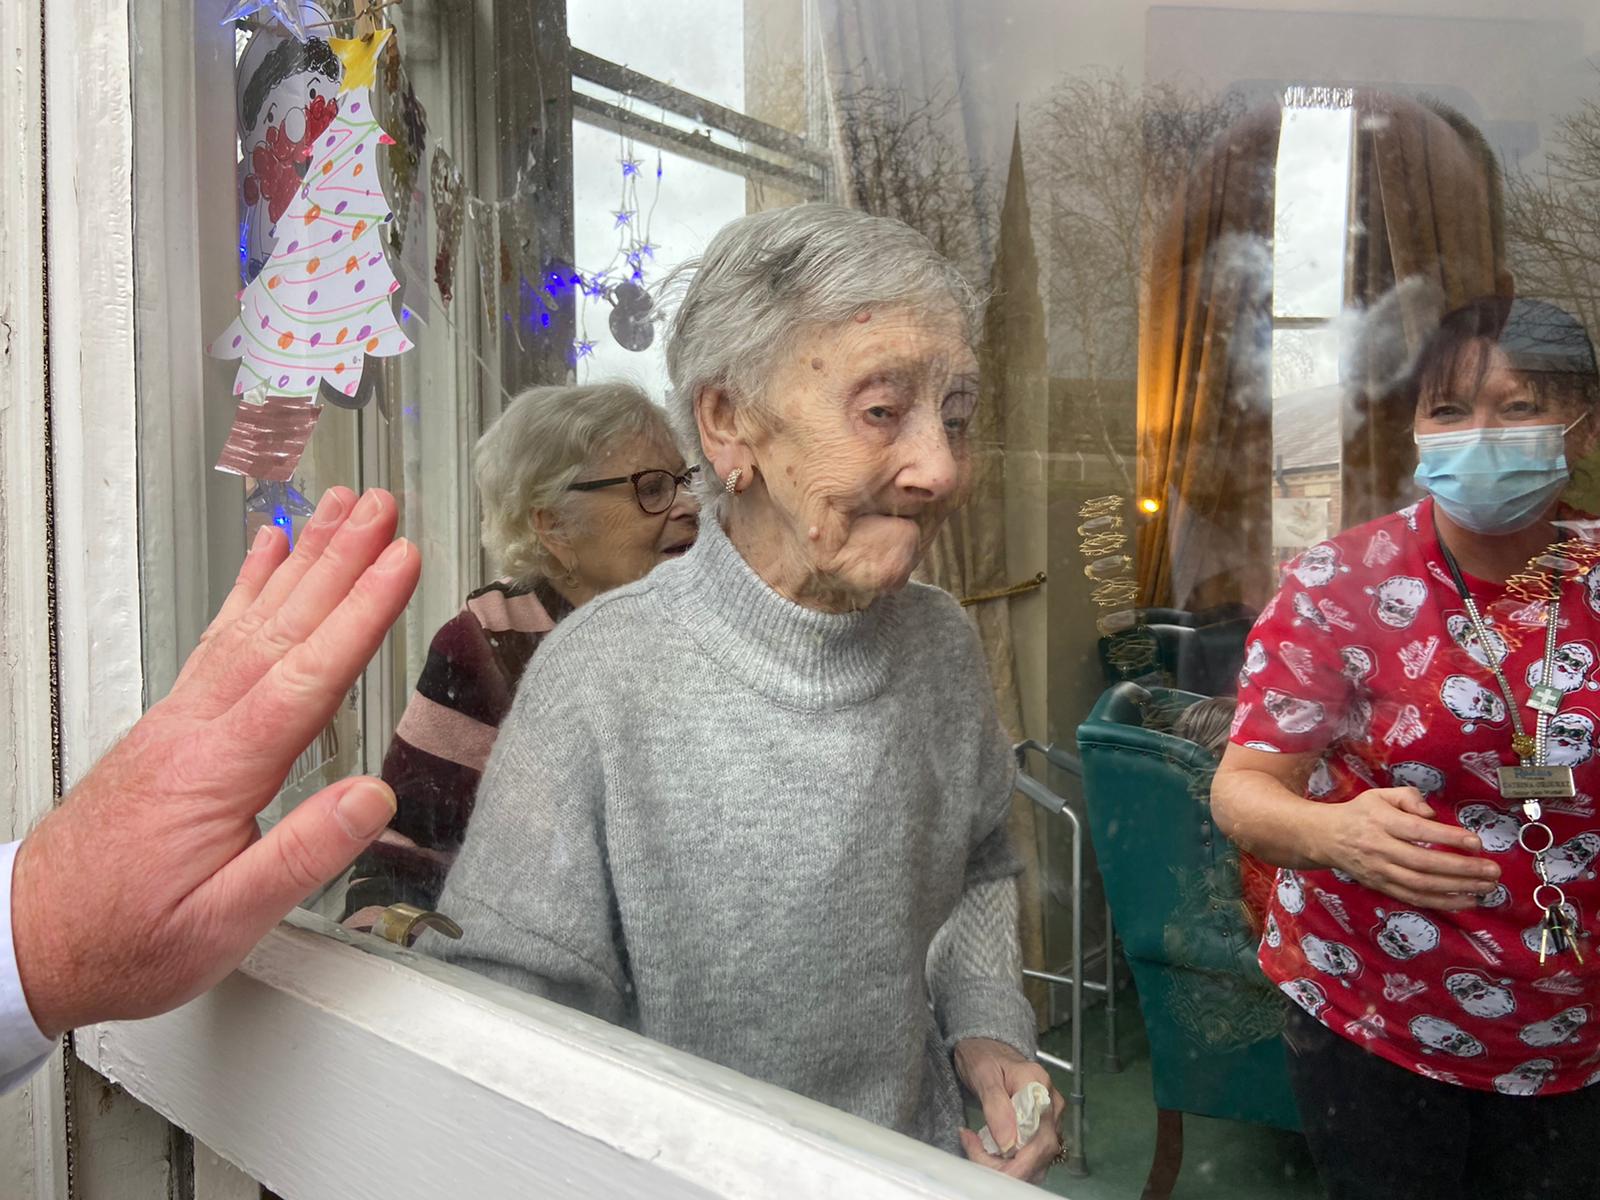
[[1532, 780]]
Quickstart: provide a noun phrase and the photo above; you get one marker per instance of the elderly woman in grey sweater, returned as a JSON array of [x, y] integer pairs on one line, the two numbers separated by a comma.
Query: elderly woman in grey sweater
[[734, 802]]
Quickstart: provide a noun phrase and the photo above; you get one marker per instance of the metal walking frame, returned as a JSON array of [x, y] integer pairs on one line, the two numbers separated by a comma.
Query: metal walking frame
[[1074, 978]]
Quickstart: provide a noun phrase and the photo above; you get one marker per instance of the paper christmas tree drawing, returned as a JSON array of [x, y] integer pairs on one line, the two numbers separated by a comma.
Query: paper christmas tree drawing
[[323, 301]]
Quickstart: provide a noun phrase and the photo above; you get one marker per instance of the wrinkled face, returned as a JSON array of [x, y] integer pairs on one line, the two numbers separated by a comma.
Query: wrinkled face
[[613, 541], [865, 452]]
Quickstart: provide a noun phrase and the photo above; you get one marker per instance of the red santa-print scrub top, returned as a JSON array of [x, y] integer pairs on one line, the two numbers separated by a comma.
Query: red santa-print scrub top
[[1367, 657]]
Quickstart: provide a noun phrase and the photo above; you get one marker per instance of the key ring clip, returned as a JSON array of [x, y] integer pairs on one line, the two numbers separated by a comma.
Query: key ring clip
[[1561, 898], [1522, 837]]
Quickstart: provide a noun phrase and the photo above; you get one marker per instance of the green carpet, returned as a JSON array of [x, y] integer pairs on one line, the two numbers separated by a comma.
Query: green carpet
[[1220, 1158]]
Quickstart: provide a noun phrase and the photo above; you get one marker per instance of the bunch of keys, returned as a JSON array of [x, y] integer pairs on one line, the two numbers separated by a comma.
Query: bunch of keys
[[1557, 931]]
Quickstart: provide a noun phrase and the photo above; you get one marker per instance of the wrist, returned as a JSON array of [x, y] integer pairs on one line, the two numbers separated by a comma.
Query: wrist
[[1314, 835], [35, 940]]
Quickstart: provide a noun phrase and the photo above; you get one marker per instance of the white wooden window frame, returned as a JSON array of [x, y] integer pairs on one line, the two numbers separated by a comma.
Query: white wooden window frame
[[321, 1068]]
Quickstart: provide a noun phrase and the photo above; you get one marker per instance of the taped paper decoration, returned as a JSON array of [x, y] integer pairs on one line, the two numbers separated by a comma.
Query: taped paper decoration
[[449, 205], [268, 438], [287, 98], [405, 116], [487, 243], [321, 304]]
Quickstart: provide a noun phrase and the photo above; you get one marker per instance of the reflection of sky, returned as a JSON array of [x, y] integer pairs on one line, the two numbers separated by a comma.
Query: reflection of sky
[[696, 45], [1309, 219]]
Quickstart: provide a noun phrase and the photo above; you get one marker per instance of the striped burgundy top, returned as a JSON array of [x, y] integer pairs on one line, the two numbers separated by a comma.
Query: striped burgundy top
[[444, 737]]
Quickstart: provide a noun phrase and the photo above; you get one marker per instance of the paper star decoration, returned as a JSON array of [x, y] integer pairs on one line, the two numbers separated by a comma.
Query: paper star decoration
[[360, 59]]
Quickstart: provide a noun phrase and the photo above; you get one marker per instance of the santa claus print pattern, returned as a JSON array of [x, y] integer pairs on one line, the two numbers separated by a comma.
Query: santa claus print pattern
[[1368, 659]]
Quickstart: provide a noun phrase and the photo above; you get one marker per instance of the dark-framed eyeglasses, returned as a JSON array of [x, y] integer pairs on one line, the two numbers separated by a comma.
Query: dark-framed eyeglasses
[[654, 489]]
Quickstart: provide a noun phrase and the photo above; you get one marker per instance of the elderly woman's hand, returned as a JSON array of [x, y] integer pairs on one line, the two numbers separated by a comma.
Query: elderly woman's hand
[[994, 1072]]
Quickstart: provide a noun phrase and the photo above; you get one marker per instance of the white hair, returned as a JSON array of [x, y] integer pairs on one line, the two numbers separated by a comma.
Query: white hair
[[538, 446], [770, 277]]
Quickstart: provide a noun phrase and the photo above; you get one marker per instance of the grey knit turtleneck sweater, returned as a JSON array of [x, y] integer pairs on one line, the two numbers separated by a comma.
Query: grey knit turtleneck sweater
[[735, 824]]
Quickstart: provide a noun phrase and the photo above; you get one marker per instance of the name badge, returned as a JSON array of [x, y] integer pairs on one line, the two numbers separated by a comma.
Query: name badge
[[1536, 783]]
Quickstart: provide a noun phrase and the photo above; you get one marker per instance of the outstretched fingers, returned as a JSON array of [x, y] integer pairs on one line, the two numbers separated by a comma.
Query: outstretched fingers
[[265, 556], [216, 675], [297, 694]]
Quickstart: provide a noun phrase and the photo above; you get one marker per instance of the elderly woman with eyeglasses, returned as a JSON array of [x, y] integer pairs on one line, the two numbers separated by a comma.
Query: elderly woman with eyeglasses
[[736, 800], [583, 489]]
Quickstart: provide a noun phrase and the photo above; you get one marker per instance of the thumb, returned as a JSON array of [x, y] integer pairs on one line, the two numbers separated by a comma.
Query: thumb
[[308, 848]]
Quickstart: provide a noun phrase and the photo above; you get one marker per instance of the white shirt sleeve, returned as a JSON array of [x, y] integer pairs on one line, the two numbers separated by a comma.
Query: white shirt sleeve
[[23, 1048]]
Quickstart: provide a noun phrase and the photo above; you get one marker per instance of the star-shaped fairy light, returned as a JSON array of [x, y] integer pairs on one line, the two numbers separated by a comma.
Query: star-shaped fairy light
[[282, 504], [297, 16]]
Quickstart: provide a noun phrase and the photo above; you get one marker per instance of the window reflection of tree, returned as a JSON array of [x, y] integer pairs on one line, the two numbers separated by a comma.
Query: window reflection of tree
[[1105, 157], [1553, 218]]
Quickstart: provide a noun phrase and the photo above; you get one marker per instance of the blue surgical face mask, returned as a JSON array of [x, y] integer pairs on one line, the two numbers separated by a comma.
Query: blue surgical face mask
[[1494, 480]]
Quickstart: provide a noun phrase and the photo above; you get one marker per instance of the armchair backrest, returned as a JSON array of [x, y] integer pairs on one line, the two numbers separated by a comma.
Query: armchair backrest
[[1182, 654], [1212, 1017], [1171, 876]]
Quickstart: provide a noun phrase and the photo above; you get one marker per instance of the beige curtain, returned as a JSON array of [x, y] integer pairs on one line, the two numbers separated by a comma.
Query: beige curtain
[[1204, 404], [969, 556], [906, 150], [1429, 220]]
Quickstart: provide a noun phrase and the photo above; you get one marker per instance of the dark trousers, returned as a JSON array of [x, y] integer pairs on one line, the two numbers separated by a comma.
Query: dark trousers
[[1379, 1132]]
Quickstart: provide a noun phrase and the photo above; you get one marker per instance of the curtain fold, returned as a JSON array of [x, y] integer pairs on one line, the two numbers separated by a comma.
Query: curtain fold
[[895, 72], [969, 554], [1204, 383], [1429, 236]]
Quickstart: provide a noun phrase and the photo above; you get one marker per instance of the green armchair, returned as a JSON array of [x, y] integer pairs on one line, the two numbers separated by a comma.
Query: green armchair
[[1214, 1020]]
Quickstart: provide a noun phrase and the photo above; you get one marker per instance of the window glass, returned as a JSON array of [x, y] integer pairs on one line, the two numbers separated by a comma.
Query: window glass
[[1184, 399]]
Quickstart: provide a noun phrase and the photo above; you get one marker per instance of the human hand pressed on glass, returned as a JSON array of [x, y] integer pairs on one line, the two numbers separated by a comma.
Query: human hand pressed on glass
[[1389, 840], [994, 1072], [152, 880]]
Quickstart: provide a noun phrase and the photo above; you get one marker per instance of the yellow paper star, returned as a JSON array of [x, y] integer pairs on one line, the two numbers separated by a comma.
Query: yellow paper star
[[360, 59]]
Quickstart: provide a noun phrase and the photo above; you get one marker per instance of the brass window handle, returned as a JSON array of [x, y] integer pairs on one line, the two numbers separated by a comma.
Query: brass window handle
[[402, 924], [1016, 589]]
